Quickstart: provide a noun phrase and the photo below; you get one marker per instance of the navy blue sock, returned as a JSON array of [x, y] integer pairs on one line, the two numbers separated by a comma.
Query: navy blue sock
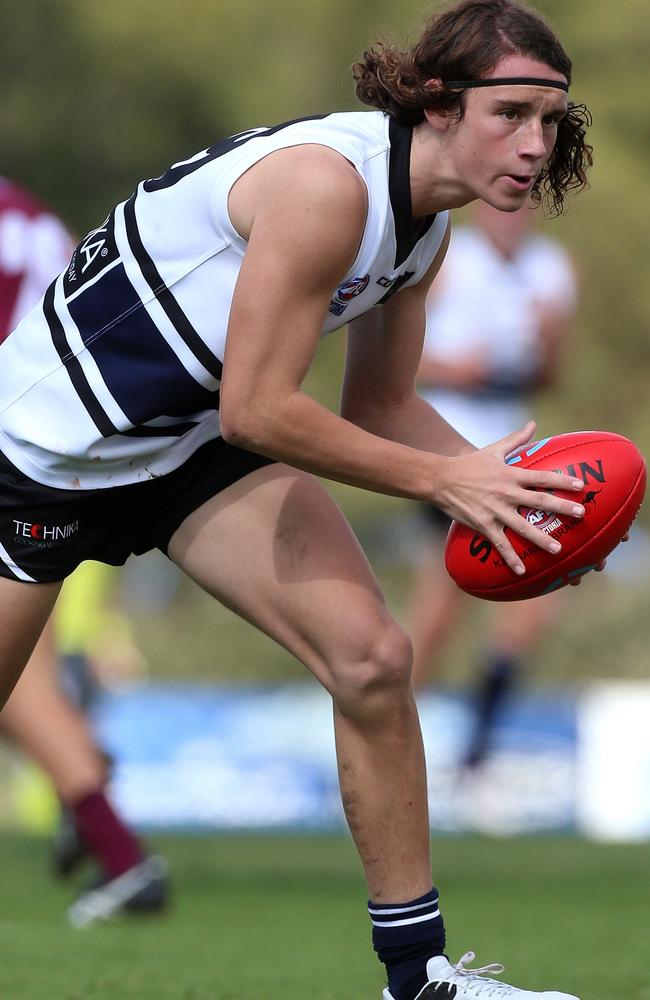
[[492, 691], [405, 936]]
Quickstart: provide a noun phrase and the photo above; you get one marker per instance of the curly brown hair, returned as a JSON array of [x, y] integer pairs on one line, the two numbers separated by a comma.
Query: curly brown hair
[[465, 42]]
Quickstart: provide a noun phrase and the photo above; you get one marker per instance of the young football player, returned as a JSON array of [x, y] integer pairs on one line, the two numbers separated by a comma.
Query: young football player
[[154, 400]]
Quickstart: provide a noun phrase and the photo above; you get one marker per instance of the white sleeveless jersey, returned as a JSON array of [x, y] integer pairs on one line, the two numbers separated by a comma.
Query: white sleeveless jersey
[[114, 377], [487, 304]]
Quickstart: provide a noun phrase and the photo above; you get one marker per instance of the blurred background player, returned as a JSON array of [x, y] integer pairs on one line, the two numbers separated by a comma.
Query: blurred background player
[[94, 638], [498, 316], [39, 718]]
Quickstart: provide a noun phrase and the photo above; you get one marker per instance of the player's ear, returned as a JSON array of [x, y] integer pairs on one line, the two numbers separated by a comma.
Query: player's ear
[[439, 118]]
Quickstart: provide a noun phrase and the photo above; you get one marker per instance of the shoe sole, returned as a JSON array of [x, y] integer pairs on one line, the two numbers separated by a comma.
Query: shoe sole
[[437, 992]]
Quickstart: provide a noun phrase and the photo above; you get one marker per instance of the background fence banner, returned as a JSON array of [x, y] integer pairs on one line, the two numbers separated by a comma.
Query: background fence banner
[[209, 757], [192, 757], [614, 761], [199, 757]]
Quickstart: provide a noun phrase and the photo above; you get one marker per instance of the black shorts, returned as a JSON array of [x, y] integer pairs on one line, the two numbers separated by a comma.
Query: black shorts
[[46, 532], [436, 519]]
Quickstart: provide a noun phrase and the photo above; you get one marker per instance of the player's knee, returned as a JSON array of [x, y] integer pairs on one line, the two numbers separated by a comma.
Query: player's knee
[[378, 675]]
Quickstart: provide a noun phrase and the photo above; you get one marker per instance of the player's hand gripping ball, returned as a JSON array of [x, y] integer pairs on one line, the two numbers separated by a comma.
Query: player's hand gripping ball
[[614, 473]]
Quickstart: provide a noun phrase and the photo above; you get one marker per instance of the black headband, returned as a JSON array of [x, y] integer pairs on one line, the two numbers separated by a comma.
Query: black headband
[[500, 81]]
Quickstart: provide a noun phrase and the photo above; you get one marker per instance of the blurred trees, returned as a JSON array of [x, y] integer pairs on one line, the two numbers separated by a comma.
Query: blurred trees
[[98, 95], [607, 227]]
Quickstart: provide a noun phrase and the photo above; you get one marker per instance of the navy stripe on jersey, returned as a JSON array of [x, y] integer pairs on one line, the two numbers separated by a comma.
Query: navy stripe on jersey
[[178, 171], [170, 431], [142, 372], [175, 314], [73, 367]]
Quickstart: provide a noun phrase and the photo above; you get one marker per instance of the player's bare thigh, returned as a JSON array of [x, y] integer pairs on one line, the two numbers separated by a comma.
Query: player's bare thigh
[[276, 549], [24, 609]]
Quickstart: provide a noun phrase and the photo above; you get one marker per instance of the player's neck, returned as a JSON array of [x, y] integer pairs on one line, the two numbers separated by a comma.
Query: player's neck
[[434, 184]]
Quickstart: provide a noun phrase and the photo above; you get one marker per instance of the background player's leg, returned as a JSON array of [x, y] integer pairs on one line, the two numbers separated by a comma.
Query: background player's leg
[[276, 549], [432, 617], [44, 724], [515, 634], [49, 729], [518, 628], [24, 610]]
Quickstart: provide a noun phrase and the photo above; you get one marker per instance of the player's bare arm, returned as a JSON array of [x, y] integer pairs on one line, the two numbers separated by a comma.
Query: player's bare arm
[[301, 244], [383, 355], [475, 487]]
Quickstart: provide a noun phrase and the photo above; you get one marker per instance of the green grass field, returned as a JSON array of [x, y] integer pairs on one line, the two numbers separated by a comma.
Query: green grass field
[[282, 918]]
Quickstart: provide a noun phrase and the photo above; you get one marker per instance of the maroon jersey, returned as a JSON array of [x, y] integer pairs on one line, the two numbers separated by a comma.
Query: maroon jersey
[[34, 247]]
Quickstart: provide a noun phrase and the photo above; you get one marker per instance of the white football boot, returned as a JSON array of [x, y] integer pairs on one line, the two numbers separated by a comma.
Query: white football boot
[[448, 981]]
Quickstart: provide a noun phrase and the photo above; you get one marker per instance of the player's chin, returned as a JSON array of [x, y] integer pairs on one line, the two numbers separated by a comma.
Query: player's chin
[[506, 198]]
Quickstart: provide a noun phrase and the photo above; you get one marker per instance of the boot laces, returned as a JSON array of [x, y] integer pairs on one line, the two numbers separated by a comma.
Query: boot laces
[[473, 981]]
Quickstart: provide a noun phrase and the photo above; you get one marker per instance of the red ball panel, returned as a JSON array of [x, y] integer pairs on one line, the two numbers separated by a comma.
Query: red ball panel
[[614, 473]]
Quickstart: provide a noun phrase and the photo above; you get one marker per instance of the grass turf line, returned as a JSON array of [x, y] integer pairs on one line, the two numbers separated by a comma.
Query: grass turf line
[[255, 918]]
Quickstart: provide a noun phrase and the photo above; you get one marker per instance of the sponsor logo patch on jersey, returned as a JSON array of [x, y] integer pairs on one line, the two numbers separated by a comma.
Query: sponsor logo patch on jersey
[[345, 293], [95, 252]]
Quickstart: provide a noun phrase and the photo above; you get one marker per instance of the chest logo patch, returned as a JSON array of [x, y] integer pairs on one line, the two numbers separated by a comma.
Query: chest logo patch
[[345, 293]]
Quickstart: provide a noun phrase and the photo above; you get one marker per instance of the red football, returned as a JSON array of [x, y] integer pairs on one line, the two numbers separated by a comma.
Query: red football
[[614, 473]]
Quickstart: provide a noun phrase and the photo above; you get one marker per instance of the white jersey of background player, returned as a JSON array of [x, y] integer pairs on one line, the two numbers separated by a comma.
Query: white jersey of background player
[[496, 318], [132, 335]]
